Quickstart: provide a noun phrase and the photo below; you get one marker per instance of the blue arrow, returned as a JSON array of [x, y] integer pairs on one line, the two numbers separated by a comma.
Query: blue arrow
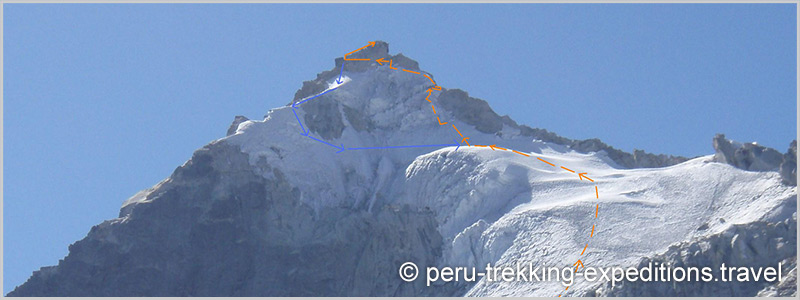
[[305, 132], [323, 93], [458, 145], [411, 146], [339, 81], [329, 144]]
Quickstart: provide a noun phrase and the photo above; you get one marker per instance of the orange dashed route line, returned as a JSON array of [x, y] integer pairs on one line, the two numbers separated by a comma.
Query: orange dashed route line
[[547, 162], [429, 78], [380, 61], [520, 153], [459, 132], [370, 44]]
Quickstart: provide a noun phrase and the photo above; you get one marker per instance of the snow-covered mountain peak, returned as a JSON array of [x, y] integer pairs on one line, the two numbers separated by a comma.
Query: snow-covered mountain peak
[[369, 167]]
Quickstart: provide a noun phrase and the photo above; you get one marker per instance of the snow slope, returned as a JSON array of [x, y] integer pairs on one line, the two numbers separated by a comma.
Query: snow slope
[[515, 209]]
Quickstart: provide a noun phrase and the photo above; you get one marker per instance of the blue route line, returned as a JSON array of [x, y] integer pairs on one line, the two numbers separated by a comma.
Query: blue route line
[[320, 94], [339, 81], [306, 132], [329, 144], [409, 146], [301, 123]]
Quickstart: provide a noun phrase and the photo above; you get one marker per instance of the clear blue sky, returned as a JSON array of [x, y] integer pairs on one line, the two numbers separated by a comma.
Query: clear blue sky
[[102, 101]]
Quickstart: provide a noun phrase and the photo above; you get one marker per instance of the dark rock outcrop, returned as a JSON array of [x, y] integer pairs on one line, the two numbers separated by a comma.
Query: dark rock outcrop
[[235, 124], [639, 158], [746, 156], [324, 118], [754, 157], [788, 168], [472, 111]]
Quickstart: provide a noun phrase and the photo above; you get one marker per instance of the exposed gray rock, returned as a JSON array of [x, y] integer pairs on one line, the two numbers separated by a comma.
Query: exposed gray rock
[[357, 119], [746, 156], [472, 111], [639, 158], [215, 228], [380, 50], [235, 125], [324, 117], [478, 113], [757, 245], [788, 167]]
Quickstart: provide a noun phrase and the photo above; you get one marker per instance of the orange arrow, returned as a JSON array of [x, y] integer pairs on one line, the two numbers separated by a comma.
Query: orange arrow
[[440, 121], [582, 176], [370, 44], [495, 147], [465, 141], [390, 65], [380, 61], [579, 262], [429, 95]]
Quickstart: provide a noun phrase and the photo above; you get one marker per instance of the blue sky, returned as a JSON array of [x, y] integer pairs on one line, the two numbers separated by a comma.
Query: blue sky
[[102, 101]]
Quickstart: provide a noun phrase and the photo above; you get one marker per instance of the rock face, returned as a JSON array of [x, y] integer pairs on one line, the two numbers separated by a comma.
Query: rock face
[[215, 228], [788, 167], [754, 157], [746, 156], [756, 245]]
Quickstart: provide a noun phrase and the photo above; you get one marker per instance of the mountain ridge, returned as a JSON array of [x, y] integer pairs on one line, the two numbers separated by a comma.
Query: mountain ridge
[[478, 113]]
